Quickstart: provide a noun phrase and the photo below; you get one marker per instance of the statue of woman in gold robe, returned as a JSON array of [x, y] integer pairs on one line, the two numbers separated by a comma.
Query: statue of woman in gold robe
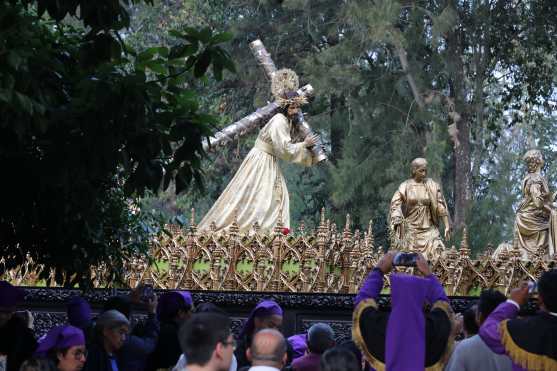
[[535, 222], [257, 192], [417, 207]]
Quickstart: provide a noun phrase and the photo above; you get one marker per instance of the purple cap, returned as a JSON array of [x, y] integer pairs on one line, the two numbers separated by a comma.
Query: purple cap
[[299, 345], [79, 312], [171, 302], [10, 295], [263, 309], [60, 337]]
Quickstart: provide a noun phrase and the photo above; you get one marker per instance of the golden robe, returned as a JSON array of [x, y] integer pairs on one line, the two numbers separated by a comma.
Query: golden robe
[[535, 226], [418, 208], [258, 192]]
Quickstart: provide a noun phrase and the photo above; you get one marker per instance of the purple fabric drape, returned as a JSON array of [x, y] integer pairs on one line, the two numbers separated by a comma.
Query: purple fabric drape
[[371, 288], [405, 339]]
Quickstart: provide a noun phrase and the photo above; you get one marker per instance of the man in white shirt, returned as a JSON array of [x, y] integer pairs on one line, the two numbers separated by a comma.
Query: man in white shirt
[[267, 351], [472, 353]]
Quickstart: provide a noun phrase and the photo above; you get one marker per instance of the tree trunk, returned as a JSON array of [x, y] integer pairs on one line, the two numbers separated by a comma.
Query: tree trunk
[[338, 126], [463, 175], [462, 147]]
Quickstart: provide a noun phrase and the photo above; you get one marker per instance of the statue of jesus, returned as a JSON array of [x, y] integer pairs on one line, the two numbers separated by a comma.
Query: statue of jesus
[[257, 192]]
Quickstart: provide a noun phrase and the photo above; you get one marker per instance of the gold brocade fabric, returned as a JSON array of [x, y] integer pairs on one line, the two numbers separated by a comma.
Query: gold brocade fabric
[[535, 227], [420, 205], [258, 193]]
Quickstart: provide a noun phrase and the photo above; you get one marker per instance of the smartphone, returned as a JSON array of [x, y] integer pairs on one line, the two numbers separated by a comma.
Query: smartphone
[[405, 259], [147, 294]]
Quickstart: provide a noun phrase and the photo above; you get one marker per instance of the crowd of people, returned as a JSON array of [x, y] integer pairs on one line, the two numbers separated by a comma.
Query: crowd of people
[[420, 332]]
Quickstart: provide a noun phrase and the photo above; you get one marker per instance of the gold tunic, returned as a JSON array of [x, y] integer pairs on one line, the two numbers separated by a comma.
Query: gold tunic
[[534, 227], [420, 206], [258, 192]]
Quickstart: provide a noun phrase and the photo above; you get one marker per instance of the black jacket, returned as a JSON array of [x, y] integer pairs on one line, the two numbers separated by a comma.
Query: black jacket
[[17, 342]]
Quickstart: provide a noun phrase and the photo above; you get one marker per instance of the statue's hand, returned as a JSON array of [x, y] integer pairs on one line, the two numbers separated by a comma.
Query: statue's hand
[[447, 233], [311, 140]]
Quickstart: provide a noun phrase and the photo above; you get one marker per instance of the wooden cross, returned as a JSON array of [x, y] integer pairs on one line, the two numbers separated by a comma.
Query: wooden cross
[[262, 115]]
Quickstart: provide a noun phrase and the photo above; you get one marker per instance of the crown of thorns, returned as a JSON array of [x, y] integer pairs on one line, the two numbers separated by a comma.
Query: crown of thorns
[[283, 87]]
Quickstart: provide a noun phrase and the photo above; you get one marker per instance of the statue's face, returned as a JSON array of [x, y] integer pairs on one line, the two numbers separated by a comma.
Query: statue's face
[[532, 165], [420, 172], [292, 111]]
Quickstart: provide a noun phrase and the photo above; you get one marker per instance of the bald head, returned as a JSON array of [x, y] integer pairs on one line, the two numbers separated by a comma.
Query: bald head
[[268, 348]]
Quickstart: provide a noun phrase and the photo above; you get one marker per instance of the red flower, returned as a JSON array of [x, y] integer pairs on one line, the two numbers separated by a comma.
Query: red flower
[[285, 231]]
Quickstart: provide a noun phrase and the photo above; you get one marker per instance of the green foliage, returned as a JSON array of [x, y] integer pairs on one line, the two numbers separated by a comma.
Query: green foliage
[[86, 122]]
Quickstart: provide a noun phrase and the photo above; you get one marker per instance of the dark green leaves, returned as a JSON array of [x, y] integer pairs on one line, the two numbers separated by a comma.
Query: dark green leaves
[[86, 126]]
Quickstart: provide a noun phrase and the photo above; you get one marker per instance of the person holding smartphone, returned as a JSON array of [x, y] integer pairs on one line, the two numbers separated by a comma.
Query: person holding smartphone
[[530, 342], [407, 338]]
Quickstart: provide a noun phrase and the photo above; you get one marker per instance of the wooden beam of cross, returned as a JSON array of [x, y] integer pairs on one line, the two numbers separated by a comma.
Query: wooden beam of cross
[[263, 114]]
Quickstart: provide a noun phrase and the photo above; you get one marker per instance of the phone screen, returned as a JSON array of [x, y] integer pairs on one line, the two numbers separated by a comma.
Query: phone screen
[[405, 259]]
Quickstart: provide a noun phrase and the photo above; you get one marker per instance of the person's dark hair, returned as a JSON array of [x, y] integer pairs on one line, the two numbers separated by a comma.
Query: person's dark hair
[[277, 353], [339, 359], [320, 338], [489, 300], [351, 346], [209, 308], [120, 303], [200, 335], [37, 364], [547, 289], [469, 321]]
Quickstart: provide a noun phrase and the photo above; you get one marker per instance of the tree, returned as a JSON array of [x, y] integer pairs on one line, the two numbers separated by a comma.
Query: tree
[[87, 124]]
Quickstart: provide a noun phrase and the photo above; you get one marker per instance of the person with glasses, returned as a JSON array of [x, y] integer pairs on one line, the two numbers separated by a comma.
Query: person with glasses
[[64, 348], [111, 331], [207, 343]]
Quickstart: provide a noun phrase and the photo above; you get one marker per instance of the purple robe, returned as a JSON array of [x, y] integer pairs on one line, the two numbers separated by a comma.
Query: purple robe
[[490, 329], [408, 329], [406, 325]]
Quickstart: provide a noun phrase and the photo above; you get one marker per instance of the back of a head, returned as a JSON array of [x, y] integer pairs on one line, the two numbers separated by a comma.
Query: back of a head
[[339, 359], [469, 321], [37, 364], [268, 347], [200, 335], [320, 338], [489, 300], [79, 312], [547, 289], [109, 319]]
